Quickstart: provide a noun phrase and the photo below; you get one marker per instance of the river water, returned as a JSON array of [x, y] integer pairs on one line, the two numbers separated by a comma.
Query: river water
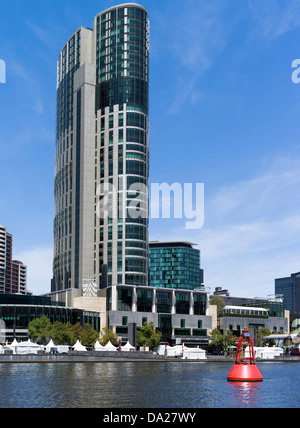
[[145, 385]]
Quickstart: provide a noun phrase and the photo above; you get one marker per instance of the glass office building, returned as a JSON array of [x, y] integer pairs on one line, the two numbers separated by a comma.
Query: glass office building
[[102, 150], [17, 311], [289, 287], [174, 265]]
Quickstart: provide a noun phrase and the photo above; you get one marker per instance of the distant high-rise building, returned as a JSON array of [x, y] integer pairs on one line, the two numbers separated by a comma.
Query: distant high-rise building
[[175, 265], [5, 260], [13, 274], [19, 278], [220, 292], [289, 287], [102, 149]]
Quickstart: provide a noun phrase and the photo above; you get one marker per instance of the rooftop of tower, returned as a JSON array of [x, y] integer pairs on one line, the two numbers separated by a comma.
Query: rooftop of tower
[[122, 5], [172, 244]]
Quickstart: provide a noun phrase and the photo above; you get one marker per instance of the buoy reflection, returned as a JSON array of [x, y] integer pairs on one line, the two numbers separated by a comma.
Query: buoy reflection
[[246, 394]]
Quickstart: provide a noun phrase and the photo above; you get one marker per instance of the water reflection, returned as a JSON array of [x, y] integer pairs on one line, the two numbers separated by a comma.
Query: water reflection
[[144, 385], [246, 394]]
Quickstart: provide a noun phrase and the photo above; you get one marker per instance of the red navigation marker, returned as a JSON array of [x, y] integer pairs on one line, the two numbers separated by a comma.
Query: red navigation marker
[[245, 369]]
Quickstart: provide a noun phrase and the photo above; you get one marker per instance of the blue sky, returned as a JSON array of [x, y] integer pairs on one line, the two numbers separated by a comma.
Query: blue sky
[[223, 112]]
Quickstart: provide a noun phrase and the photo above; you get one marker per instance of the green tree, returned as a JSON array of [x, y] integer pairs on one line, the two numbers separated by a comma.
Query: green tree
[[77, 331], [219, 302], [88, 336], [63, 333], [42, 330], [39, 329], [217, 339], [107, 335], [47, 333], [263, 332], [148, 335], [230, 340]]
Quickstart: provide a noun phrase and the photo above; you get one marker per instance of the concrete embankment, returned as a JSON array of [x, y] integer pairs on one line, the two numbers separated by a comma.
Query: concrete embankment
[[85, 357]]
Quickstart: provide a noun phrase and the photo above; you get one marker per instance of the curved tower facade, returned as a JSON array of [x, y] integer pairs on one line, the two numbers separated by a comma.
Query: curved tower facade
[[102, 153]]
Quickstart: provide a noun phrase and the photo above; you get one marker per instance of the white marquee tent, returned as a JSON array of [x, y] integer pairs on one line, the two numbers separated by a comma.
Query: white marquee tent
[[79, 347], [50, 346], [99, 347], [13, 346], [128, 347], [172, 351], [194, 354], [109, 347], [28, 348]]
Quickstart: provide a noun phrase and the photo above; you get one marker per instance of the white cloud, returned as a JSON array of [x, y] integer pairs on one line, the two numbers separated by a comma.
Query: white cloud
[[252, 230], [274, 18], [202, 30], [268, 195], [199, 34], [39, 268]]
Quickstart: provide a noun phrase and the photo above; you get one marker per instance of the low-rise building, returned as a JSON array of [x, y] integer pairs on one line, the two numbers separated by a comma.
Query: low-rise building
[[17, 311], [254, 314], [182, 316]]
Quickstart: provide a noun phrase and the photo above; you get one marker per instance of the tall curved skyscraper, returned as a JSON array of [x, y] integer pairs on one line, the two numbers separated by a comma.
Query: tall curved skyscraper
[[102, 153]]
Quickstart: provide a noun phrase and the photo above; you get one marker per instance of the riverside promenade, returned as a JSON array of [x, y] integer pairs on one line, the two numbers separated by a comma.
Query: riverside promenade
[[105, 357]]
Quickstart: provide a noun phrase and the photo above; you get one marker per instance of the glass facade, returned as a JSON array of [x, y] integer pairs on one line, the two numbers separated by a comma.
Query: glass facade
[[290, 289], [147, 298], [199, 304], [165, 325], [174, 266], [144, 300], [163, 302], [124, 299], [275, 308], [122, 142], [68, 63], [17, 311], [182, 303], [119, 147], [174, 313], [123, 52]]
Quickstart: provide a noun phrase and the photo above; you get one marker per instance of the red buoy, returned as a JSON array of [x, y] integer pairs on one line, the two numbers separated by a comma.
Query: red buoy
[[245, 369]]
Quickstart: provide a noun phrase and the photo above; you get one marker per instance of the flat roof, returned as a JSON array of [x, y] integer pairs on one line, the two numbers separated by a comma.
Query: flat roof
[[244, 308], [171, 244]]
